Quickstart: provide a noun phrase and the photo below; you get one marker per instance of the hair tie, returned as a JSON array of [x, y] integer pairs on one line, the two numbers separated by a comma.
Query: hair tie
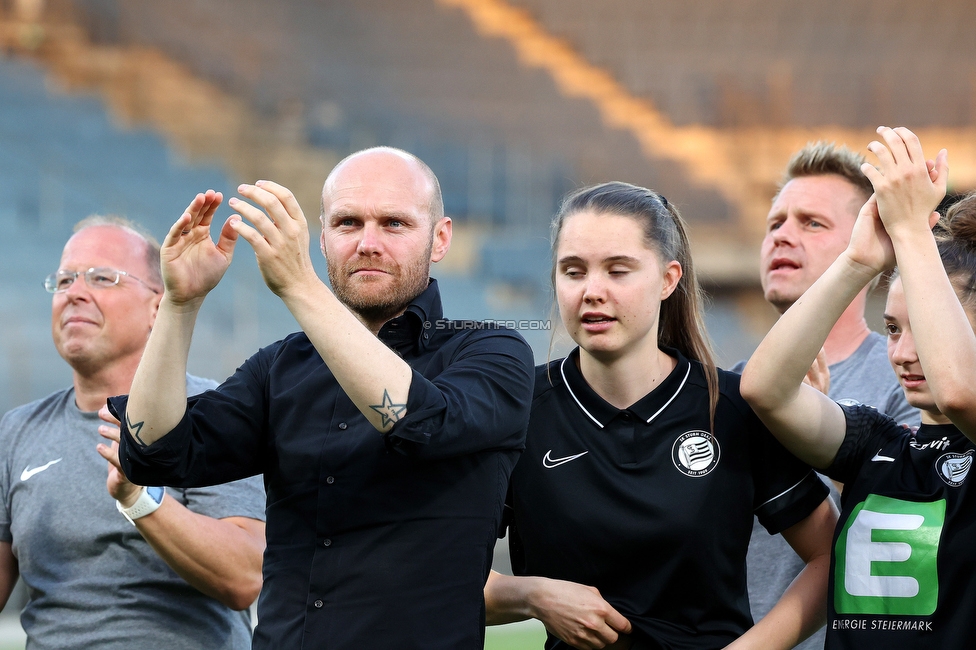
[[664, 201]]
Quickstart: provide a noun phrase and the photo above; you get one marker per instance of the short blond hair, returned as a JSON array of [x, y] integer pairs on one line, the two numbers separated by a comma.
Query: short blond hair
[[823, 158]]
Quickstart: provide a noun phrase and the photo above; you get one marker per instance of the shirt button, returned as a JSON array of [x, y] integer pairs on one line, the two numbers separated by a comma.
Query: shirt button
[[318, 604], [330, 480], [343, 426], [327, 543]]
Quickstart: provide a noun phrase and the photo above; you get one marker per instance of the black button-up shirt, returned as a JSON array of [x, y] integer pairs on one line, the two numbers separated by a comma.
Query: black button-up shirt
[[374, 541]]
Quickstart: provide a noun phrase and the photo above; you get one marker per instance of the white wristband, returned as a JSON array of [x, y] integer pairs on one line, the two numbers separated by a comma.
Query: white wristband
[[149, 499]]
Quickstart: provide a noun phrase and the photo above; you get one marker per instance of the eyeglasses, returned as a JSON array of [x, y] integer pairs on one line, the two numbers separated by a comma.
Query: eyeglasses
[[100, 278]]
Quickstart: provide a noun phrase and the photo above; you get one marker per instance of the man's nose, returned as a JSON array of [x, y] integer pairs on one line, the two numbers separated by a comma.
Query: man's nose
[[369, 240], [786, 233], [78, 288]]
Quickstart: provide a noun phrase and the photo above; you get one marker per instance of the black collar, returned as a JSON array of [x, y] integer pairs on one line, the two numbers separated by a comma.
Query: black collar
[[647, 408], [413, 326]]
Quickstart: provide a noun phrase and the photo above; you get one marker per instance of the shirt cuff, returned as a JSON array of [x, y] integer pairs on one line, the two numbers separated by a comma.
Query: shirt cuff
[[149, 464], [424, 402]]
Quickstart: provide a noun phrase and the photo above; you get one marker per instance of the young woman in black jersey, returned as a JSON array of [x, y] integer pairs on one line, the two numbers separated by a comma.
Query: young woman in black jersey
[[634, 499], [903, 562]]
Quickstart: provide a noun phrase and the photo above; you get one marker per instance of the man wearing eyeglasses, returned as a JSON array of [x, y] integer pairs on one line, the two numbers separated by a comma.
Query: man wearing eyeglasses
[[139, 567]]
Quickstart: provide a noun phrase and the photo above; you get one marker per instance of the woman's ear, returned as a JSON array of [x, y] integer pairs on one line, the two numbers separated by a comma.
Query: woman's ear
[[672, 275]]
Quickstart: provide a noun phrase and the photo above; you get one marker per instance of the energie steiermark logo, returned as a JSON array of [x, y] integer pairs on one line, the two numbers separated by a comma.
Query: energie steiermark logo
[[887, 557]]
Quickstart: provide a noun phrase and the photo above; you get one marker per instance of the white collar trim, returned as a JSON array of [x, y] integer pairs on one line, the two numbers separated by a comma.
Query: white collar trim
[[562, 371]]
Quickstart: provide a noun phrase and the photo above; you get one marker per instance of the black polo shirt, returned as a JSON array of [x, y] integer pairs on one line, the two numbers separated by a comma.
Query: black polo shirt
[[373, 541], [648, 505]]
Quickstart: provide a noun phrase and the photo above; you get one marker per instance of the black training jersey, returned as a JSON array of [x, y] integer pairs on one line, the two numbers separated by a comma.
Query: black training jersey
[[648, 505], [905, 548]]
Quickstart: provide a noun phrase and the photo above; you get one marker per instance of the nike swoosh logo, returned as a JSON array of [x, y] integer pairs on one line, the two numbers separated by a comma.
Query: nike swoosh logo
[[878, 458], [550, 462], [27, 473]]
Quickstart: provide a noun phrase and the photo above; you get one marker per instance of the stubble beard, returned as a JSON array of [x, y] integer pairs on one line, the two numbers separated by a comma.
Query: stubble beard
[[372, 304]]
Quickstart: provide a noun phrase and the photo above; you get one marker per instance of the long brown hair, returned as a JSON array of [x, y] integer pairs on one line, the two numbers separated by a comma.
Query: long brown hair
[[681, 323]]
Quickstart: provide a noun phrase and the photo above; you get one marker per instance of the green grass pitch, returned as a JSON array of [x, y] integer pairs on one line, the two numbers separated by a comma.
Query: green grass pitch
[[527, 635]]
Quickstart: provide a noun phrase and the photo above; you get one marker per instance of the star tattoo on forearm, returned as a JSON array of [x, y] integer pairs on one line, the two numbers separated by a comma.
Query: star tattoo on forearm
[[134, 429], [388, 410]]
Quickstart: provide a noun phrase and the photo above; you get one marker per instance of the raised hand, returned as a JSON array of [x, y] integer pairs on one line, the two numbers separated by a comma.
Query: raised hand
[[908, 187], [870, 245], [119, 487], [192, 263], [279, 235]]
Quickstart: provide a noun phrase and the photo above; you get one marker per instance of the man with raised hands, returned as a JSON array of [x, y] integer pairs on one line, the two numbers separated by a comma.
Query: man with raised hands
[[386, 434]]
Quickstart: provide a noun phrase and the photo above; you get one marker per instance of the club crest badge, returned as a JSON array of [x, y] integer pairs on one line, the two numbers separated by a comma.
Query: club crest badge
[[954, 468], [695, 453]]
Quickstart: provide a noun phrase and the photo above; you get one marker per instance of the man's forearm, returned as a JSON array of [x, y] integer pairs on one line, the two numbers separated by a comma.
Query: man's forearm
[[157, 399], [373, 376], [221, 558]]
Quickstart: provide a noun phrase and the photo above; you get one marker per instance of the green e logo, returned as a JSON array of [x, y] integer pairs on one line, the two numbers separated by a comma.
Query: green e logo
[[886, 558]]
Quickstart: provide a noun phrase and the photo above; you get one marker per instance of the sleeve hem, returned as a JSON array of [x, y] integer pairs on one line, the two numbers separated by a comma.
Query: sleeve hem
[[793, 505]]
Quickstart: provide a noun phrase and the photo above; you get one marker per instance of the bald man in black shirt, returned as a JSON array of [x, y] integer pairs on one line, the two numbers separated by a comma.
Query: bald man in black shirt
[[386, 434]]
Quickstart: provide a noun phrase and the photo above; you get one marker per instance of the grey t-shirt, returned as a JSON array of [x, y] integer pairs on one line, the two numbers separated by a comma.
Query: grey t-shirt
[[92, 580], [866, 377]]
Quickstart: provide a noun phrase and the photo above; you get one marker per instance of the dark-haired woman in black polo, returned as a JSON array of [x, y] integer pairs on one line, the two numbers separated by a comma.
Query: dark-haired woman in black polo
[[634, 499]]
